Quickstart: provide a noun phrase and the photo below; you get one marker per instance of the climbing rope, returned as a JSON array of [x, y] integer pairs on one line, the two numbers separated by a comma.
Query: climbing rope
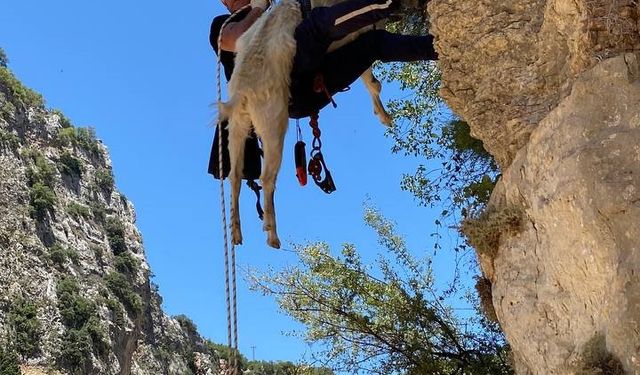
[[232, 314]]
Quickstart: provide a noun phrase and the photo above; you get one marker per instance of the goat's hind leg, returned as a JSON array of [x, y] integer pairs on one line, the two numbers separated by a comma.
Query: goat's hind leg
[[238, 132], [374, 87], [272, 143]]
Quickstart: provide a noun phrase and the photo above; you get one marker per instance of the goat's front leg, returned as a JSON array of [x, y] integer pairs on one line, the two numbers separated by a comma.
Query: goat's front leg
[[237, 139], [374, 87], [272, 144]]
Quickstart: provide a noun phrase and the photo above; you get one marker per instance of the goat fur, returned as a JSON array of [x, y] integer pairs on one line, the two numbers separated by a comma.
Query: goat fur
[[259, 95]]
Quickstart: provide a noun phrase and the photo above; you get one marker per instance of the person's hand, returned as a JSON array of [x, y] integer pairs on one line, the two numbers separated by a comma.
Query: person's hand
[[262, 4]]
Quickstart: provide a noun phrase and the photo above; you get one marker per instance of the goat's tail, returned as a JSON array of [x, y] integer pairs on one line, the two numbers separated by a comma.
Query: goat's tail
[[225, 109]]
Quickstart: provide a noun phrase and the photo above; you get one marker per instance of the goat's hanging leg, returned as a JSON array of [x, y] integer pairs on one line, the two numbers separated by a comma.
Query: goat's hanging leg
[[237, 139], [374, 87], [272, 144]]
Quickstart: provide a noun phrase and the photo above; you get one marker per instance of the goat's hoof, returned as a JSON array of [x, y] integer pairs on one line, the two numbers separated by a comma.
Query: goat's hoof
[[274, 242], [236, 237], [385, 118]]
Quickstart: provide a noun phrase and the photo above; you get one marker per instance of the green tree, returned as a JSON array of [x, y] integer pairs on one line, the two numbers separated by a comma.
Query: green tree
[[9, 363], [24, 323], [455, 173], [388, 319]]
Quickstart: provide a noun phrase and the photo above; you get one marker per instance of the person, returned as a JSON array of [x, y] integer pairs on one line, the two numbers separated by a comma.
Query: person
[[319, 28]]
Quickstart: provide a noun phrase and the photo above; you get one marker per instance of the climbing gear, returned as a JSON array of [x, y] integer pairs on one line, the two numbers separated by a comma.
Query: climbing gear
[[232, 311], [317, 164], [252, 166], [319, 86], [300, 157]]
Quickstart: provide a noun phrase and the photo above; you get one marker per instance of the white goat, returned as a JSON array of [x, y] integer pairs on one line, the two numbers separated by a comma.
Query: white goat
[[259, 96]]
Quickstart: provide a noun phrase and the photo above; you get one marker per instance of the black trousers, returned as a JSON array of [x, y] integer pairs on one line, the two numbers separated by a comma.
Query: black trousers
[[342, 67]]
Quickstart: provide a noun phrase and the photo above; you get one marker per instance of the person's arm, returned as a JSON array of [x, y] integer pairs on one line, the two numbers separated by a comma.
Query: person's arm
[[234, 30]]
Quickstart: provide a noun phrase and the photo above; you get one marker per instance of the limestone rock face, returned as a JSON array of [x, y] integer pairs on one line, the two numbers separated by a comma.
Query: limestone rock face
[[551, 87], [72, 264]]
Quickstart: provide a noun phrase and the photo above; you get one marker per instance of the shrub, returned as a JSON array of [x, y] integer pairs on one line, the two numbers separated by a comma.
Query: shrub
[[9, 138], [84, 138], [117, 313], [78, 210], [18, 91], [104, 179], [59, 255], [187, 325], [42, 200], [74, 309], [70, 165], [127, 264], [64, 121], [23, 319], [7, 110], [120, 286], [42, 171], [485, 231], [66, 136], [87, 139], [115, 235], [9, 363], [76, 350], [99, 211]]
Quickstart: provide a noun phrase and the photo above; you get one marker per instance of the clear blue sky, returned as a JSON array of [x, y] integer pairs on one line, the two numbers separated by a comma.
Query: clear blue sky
[[143, 75]]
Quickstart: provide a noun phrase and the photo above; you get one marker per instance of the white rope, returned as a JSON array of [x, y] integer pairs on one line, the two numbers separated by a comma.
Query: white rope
[[232, 315]]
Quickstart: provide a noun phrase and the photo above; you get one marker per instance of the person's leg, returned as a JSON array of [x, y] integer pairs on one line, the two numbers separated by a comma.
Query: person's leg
[[344, 65], [325, 25]]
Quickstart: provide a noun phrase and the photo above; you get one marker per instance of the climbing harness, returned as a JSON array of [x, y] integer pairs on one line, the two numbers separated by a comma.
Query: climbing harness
[[232, 315]]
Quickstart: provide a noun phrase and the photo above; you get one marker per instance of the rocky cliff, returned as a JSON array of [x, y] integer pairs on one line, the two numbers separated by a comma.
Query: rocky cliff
[[75, 293], [551, 87]]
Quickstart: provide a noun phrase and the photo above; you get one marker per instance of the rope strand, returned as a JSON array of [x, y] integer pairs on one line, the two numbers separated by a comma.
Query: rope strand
[[232, 315]]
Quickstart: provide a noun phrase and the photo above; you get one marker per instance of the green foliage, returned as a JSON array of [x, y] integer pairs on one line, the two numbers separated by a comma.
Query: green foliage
[[127, 264], [64, 121], [84, 138], [187, 325], [485, 230], [9, 363], [70, 165], [41, 170], [59, 255], [104, 179], [9, 138], [117, 312], [74, 309], [78, 210], [386, 319], [115, 235], [121, 287], [18, 93], [84, 334], [99, 211], [7, 110], [76, 349], [42, 200], [4, 60], [23, 320]]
